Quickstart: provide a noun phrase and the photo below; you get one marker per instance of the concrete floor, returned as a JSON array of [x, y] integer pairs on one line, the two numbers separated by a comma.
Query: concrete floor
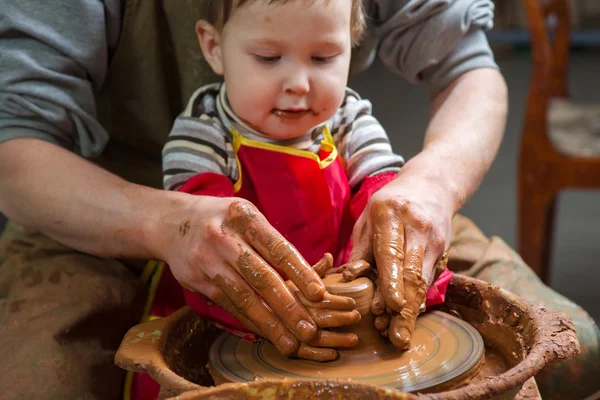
[[575, 270], [576, 256]]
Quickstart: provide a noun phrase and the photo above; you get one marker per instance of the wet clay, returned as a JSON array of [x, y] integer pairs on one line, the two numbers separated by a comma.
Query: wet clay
[[494, 365], [525, 337], [373, 358]]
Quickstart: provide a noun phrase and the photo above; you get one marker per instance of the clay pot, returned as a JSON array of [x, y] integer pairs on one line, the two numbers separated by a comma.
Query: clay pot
[[521, 337]]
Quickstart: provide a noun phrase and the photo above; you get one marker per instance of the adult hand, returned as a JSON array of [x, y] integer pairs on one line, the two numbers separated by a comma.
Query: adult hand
[[225, 249], [404, 231]]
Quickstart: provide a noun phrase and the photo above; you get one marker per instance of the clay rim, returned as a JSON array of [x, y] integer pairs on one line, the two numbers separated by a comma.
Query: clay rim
[[554, 338]]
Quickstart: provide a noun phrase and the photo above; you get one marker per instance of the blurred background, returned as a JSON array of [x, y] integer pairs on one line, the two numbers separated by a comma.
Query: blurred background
[[574, 266]]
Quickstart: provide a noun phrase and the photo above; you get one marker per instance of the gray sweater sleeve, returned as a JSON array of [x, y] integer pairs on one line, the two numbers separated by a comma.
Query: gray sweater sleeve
[[53, 55], [430, 41]]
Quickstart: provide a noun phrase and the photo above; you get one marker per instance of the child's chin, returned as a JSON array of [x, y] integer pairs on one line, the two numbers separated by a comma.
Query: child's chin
[[288, 130]]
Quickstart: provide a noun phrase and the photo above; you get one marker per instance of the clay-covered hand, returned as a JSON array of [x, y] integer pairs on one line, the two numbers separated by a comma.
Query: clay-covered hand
[[404, 231], [332, 311], [225, 249], [386, 319]]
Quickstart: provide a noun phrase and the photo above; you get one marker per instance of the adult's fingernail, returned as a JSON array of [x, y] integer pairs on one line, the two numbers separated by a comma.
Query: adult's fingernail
[[306, 330], [405, 334], [313, 289], [400, 338], [287, 344]]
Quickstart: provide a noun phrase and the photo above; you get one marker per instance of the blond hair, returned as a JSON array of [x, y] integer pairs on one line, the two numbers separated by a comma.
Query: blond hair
[[218, 12]]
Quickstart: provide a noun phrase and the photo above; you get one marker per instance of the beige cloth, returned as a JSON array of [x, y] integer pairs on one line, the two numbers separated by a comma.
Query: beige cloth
[[62, 317], [492, 260]]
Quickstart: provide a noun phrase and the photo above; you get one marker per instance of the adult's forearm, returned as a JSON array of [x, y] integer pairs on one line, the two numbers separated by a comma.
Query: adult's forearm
[[45, 187], [465, 130]]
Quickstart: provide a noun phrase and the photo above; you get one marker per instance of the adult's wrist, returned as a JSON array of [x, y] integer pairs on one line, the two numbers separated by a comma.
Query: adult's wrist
[[432, 171]]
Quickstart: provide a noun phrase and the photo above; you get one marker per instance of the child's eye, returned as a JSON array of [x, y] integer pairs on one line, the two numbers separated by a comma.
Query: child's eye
[[323, 60], [267, 59]]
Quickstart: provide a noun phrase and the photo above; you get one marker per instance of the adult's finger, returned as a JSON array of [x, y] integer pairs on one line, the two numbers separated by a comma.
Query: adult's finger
[[400, 330], [266, 281], [388, 248], [403, 324], [221, 299], [441, 266], [334, 339], [438, 268], [308, 352], [212, 291], [334, 318], [377, 304], [248, 303], [362, 240], [272, 246]]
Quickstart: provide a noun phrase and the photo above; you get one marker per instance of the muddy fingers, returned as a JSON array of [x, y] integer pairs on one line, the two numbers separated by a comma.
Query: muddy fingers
[[324, 265]]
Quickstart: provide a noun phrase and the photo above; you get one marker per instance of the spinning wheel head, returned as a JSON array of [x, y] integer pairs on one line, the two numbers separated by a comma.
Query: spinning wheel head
[[446, 352]]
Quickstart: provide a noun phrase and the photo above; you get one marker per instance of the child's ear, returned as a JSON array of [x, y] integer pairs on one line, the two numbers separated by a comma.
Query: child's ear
[[210, 43]]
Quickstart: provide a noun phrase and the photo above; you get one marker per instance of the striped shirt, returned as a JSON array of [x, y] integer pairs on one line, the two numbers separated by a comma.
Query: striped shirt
[[201, 142]]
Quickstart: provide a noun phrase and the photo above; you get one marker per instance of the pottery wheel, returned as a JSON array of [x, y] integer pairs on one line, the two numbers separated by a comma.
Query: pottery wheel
[[444, 350]]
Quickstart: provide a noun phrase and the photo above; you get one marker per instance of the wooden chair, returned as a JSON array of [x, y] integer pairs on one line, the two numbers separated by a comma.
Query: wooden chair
[[560, 142]]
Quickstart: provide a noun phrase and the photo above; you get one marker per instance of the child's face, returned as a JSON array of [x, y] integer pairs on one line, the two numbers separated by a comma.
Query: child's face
[[286, 65]]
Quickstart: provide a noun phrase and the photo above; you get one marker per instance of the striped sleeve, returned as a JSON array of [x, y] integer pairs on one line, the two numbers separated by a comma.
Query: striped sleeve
[[362, 142], [195, 145]]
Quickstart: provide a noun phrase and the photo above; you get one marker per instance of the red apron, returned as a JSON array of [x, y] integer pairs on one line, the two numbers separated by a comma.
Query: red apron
[[305, 196]]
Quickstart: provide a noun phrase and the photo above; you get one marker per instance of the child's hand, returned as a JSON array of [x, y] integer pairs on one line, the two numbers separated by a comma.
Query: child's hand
[[332, 311], [225, 249], [387, 320]]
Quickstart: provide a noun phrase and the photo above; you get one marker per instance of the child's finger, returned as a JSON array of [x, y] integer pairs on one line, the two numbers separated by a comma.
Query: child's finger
[[334, 318], [323, 266], [355, 269], [334, 339], [311, 353], [382, 322], [329, 302]]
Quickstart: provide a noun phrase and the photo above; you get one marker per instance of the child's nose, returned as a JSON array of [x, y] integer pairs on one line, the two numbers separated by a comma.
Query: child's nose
[[297, 83]]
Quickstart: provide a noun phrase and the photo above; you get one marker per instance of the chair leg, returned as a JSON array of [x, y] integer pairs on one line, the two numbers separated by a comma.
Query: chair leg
[[536, 227]]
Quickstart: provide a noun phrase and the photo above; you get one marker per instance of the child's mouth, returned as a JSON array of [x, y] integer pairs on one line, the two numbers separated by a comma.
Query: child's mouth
[[292, 113]]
